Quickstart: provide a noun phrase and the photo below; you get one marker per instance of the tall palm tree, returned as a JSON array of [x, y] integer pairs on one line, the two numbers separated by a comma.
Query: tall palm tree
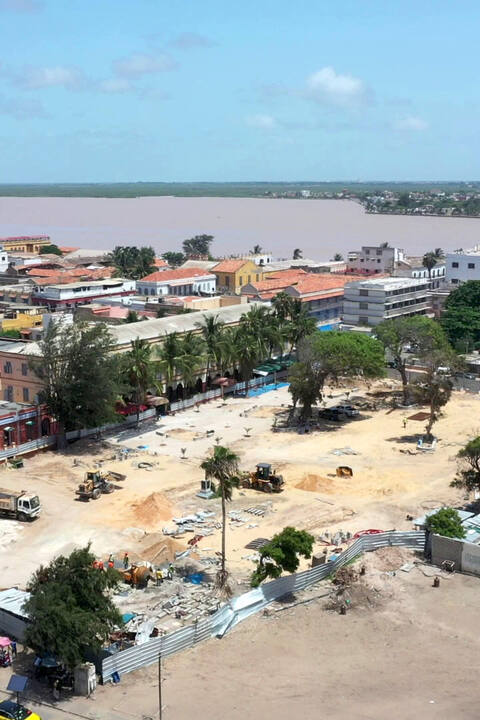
[[257, 249], [211, 332], [429, 261], [249, 348], [190, 359], [301, 323], [297, 254], [222, 466], [140, 370], [439, 254], [227, 349], [168, 358]]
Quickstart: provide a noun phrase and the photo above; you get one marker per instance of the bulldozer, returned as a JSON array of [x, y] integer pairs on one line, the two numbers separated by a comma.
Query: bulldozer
[[263, 479], [97, 482]]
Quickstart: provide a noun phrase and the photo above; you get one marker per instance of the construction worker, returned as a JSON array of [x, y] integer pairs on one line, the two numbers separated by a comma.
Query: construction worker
[[170, 571], [111, 563], [126, 561], [159, 576], [404, 423]]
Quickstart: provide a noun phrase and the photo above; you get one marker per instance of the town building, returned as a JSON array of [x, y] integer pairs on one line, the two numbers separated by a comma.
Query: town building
[[322, 295], [25, 243], [184, 281], [18, 383], [413, 267], [463, 265], [20, 317], [261, 258], [4, 260], [70, 295], [368, 302], [274, 283], [374, 260], [23, 422], [233, 274]]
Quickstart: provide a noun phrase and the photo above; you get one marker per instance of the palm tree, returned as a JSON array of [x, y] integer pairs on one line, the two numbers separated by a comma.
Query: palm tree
[[297, 254], [168, 358], [140, 370], [282, 305], [257, 249], [429, 261], [249, 349], [227, 350], [439, 254], [190, 358], [211, 332], [338, 257], [301, 323], [222, 466]]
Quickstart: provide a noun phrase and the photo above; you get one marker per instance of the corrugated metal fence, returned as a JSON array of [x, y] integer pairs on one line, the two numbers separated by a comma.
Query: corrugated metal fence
[[27, 447], [251, 602]]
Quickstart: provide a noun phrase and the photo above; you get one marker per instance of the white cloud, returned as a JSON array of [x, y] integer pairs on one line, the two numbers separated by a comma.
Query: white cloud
[[21, 6], [188, 40], [33, 78], [328, 86], [143, 64], [21, 108], [411, 122], [265, 122], [116, 85]]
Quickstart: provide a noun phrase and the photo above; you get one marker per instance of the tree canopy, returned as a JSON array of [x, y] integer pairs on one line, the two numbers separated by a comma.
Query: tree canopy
[[282, 554], [50, 250], [174, 259], [198, 245], [69, 607], [469, 466], [79, 374], [461, 319], [133, 262], [446, 522], [331, 355]]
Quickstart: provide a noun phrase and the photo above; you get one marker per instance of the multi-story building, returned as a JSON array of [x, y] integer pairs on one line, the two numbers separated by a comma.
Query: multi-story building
[[233, 274], [18, 383], [184, 281], [368, 302], [25, 243], [374, 259], [463, 265], [413, 267], [69, 295], [3, 260]]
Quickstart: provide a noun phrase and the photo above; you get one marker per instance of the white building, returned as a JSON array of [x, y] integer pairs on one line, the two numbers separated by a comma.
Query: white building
[[413, 267], [368, 302], [184, 281], [3, 260], [70, 295], [463, 265], [374, 259], [258, 258]]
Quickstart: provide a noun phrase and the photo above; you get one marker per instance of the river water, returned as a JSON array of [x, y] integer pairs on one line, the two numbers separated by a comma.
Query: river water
[[319, 228]]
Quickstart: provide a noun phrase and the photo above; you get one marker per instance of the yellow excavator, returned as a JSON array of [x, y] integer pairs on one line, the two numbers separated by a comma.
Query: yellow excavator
[[263, 479], [97, 482]]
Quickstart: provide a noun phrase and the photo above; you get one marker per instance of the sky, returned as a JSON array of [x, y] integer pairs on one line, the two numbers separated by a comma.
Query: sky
[[150, 90]]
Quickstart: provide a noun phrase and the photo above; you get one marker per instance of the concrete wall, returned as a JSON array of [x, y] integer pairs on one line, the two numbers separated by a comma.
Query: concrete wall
[[465, 555]]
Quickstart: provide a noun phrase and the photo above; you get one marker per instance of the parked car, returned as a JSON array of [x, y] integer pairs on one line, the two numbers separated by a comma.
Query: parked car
[[330, 414], [347, 410], [10, 710]]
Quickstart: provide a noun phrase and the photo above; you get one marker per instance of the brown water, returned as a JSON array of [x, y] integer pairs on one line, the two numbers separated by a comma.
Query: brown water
[[319, 227]]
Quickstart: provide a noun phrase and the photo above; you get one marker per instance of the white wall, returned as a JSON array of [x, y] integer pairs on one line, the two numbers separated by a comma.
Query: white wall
[[467, 267]]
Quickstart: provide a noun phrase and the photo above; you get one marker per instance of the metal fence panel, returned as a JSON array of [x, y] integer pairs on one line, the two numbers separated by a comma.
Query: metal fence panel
[[250, 603]]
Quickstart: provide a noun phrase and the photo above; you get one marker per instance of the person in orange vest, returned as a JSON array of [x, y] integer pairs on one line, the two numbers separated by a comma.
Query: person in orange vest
[[100, 564], [111, 563]]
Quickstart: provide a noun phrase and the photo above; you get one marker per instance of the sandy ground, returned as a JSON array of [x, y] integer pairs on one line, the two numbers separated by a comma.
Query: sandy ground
[[386, 485]]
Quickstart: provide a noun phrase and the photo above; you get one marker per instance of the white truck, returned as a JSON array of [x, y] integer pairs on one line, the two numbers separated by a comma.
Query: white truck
[[19, 504]]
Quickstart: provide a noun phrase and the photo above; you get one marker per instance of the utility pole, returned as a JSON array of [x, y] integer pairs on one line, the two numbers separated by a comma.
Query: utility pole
[[160, 684]]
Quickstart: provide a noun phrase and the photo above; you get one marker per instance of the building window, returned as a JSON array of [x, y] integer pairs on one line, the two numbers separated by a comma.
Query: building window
[[26, 395], [471, 266], [8, 393], [367, 252], [455, 264], [256, 277], [454, 281], [362, 260], [24, 369], [7, 368], [227, 281], [364, 293], [363, 306], [249, 278], [379, 252], [363, 319]]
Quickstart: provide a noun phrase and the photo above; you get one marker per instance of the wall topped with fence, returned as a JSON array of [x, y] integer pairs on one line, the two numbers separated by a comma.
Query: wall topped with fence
[[248, 604]]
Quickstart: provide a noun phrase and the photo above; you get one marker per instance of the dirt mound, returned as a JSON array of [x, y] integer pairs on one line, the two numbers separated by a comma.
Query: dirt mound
[[387, 559], [158, 548], [153, 509], [315, 483]]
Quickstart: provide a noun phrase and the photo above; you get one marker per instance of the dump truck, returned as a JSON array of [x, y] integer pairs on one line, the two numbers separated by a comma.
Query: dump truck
[[19, 504], [97, 482], [263, 479]]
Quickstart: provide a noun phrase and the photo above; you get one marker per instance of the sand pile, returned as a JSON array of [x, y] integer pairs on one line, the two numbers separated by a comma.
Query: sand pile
[[182, 434], [387, 559], [157, 548], [315, 483], [152, 510]]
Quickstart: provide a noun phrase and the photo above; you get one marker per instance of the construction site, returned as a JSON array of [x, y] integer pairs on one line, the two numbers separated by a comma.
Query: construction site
[[139, 497]]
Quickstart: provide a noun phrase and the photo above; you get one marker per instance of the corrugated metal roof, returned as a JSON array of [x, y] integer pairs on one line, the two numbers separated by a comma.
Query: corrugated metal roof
[[12, 600]]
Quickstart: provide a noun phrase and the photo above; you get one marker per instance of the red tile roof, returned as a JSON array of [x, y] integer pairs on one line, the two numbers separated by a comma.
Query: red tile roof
[[160, 263], [318, 282], [231, 266], [180, 274], [290, 274]]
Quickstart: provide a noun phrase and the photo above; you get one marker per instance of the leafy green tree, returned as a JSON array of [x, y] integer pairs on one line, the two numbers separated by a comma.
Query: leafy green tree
[[80, 376], [469, 466], [297, 254], [282, 554], [174, 259], [132, 316], [198, 245], [461, 319], [133, 262], [404, 200], [418, 331], [332, 355], [446, 522], [70, 607], [140, 370], [434, 387], [50, 250], [222, 466]]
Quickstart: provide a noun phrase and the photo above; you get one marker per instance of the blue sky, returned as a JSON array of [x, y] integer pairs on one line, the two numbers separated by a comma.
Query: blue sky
[[127, 90]]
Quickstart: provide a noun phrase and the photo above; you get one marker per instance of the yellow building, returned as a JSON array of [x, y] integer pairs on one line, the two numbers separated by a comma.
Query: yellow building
[[25, 243], [233, 274], [21, 320]]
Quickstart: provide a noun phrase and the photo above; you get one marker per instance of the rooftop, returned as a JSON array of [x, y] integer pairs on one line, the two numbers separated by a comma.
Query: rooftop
[[155, 329], [107, 282], [469, 251], [19, 347], [179, 274], [231, 266], [315, 282], [388, 283]]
